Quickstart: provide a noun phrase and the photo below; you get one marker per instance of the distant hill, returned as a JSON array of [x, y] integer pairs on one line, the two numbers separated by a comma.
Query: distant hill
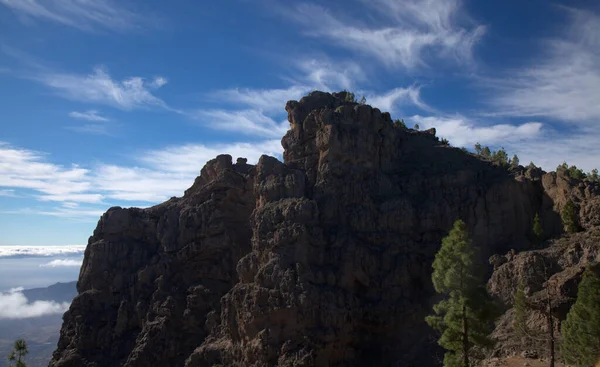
[[59, 292], [41, 333]]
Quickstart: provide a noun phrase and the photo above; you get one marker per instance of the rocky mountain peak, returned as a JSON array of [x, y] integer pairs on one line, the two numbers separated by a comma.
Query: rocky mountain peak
[[323, 259]]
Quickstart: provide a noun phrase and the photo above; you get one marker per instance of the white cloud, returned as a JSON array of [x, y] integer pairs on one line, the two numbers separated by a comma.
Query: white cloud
[[14, 305], [405, 33], [160, 174], [99, 87], [553, 148], [389, 101], [22, 168], [460, 131], [183, 159], [7, 193], [40, 251], [85, 15], [562, 83], [91, 115], [172, 170], [158, 82], [94, 129], [62, 263], [325, 75], [268, 100], [246, 122]]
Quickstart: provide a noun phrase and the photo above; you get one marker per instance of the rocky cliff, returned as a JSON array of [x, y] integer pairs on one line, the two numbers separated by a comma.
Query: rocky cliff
[[322, 260]]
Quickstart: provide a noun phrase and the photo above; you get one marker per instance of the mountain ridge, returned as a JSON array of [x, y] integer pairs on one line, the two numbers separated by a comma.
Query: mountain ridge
[[323, 259]]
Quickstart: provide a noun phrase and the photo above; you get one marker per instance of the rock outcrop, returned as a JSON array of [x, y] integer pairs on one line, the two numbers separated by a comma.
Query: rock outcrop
[[151, 276], [322, 260], [549, 274]]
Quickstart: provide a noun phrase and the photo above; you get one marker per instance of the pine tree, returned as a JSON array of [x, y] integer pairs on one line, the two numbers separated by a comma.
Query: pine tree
[[570, 218], [478, 148], [486, 152], [521, 307], [416, 127], [465, 316], [514, 162], [19, 351], [538, 230], [581, 329]]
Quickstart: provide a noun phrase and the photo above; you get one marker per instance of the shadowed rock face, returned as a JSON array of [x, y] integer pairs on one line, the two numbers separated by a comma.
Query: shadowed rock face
[[323, 260], [150, 276]]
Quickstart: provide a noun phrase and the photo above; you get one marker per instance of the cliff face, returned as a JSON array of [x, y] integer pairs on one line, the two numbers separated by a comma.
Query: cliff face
[[324, 259], [150, 277]]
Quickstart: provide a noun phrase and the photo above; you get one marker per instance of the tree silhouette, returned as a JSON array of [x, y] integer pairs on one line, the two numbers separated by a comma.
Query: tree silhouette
[[19, 351]]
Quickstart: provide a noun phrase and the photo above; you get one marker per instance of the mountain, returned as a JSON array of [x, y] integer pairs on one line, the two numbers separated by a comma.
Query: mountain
[[41, 333], [323, 259]]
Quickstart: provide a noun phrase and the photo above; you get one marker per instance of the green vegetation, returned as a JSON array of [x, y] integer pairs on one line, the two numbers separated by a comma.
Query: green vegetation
[[445, 141], [594, 175], [465, 316], [521, 307], [581, 329], [570, 218], [16, 355], [416, 127], [363, 100], [400, 123], [499, 157], [538, 230], [572, 171], [514, 162], [349, 96]]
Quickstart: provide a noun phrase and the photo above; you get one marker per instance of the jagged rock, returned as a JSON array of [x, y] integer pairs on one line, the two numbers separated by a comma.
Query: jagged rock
[[340, 275], [322, 260], [557, 269], [150, 277]]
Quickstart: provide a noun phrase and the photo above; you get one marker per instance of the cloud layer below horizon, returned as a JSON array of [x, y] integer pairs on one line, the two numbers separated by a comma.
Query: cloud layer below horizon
[[14, 305]]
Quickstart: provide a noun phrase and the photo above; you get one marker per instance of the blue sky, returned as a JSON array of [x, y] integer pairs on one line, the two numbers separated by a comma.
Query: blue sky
[[122, 102]]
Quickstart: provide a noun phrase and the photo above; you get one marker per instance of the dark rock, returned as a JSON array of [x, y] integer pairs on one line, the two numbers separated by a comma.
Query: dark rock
[[323, 260]]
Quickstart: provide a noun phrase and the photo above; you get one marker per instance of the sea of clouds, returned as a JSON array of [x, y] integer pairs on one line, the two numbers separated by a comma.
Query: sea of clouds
[[25, 267], [14, 305], [40, 251]]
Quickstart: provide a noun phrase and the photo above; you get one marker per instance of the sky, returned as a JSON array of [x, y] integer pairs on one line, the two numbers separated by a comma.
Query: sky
[[106, 102]]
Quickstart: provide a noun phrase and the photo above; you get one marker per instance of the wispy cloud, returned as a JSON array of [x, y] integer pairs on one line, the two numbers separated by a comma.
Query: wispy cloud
[[7, 193], [62, 263], [14, 305], [389, 101], [404, 34], [181, 158], [40, 251], [170, 171], [327, 75], [90, 115], [27, 169], [86, 15], [94, 129], [461, 131], [100, 88], [268, 100], [247, 122], [563, 83], [157, 175]]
